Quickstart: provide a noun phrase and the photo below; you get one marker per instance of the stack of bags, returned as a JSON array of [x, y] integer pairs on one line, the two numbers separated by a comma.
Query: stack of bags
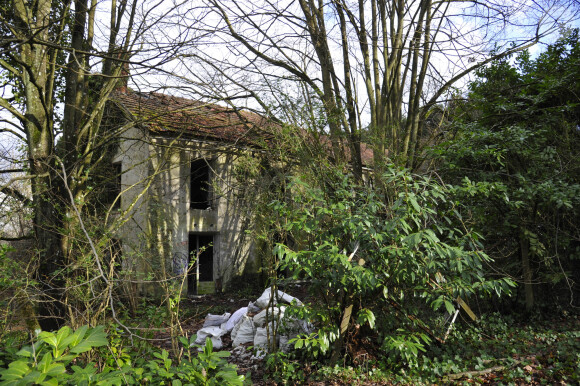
[[259, 324]]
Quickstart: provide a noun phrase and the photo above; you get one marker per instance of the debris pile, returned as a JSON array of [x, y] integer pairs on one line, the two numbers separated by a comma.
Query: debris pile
[[258, 324]]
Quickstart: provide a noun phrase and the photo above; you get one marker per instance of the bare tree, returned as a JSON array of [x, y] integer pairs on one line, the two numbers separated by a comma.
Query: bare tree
[[59, 63], [371, 67]]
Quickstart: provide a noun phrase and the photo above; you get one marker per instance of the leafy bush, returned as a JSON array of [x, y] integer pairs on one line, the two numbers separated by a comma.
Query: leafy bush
[[514, 157], [284, 370], [55, 358], [398, 252], [46, 360]]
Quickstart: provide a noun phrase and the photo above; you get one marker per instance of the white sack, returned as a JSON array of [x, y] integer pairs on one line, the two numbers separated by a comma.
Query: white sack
[[216, 320], [214, 333], [283, 344], [234, 319], [261, 338], [264, 299], [244, 332], [273, 314], [237, 327], [253, 308], [216, 343]]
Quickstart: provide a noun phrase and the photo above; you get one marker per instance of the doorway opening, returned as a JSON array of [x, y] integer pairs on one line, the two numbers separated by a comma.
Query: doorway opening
[[200, 263]]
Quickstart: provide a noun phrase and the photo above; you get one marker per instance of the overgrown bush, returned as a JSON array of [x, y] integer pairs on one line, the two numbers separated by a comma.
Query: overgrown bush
[[381, 262]]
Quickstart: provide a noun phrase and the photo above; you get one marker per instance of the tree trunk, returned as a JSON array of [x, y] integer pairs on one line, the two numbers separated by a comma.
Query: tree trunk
[[38, 72], [527, 272]]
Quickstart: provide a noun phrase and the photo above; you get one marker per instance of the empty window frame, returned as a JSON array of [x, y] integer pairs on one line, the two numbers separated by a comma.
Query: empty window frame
[[200, 261], [200, 185]]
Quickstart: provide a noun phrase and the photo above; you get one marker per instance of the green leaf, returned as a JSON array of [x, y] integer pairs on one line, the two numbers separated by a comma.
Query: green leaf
[[49, 338], [366, 316], [208, 349], [231, 378], [45, 362], [75, 338], [50, 382], [96, 337], [28, 350], [55, 369], [413, 239], [61, 336], [449, 307], [414, 203], [16, 370]]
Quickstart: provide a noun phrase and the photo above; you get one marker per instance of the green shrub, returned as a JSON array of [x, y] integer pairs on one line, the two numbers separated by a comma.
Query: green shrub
[[376, 258], [57, 358]]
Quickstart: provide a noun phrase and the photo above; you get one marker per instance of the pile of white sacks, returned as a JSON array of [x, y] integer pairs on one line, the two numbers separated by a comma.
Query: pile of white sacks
[[268, 318]]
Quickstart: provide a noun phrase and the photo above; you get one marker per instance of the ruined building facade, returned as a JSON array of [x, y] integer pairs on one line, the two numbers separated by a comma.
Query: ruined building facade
[[182, 204]]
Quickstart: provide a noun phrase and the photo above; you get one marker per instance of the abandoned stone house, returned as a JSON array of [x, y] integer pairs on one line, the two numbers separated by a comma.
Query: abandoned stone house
[[181, 199]]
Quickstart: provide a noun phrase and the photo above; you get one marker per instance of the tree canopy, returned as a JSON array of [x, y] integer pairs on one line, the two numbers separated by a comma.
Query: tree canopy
[[514, 148]]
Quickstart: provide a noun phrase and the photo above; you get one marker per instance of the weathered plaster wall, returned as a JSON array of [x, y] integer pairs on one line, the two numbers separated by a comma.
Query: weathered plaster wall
[[133, 154], [161, 221]]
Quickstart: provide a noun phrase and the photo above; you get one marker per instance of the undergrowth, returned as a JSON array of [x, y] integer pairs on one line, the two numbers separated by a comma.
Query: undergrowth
[[87, 357], [496, 349]]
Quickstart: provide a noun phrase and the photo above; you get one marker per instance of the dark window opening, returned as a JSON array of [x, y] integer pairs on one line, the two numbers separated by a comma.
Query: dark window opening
[[200, 197], [200, 261]]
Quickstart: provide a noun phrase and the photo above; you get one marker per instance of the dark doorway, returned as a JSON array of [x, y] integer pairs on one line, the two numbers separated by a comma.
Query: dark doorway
[[200, 261]]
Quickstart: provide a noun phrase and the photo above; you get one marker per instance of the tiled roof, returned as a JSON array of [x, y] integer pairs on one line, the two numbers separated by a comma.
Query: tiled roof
[[163, 113]]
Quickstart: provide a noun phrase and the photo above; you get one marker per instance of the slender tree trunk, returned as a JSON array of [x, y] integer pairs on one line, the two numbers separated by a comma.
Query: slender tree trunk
[[525, 255]]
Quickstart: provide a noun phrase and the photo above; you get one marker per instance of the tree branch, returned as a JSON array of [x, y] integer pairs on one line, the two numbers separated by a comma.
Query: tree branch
[[6, 189]]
